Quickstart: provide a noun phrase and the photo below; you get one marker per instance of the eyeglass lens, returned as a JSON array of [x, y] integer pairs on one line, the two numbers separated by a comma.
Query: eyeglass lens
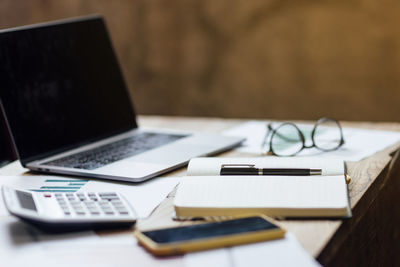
[[288, 140], [327, 135]]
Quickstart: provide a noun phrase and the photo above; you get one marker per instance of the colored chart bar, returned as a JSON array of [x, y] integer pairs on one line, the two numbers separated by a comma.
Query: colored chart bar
[[52, 191], [61, 185], [66, 181]]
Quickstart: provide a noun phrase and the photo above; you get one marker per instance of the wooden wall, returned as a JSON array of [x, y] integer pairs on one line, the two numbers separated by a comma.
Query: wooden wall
[[262, 58]]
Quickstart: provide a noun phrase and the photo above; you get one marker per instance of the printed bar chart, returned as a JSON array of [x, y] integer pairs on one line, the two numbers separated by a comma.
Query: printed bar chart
[[61, 185]]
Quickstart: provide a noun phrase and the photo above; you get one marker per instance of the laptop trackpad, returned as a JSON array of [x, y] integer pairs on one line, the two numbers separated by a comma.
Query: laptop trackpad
[[154, 161], [126, 168], [171, 155]]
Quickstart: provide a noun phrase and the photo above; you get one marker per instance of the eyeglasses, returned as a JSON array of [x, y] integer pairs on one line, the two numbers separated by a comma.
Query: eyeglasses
[[288, 140]]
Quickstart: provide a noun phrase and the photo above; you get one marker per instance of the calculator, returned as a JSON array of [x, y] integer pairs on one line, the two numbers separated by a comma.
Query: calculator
[[65, 211]]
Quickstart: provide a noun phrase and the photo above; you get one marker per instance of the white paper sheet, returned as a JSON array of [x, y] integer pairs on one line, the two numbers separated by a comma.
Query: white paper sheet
[[286, 252], [22, 245], [359, 143], [216, 257], [143, 197]]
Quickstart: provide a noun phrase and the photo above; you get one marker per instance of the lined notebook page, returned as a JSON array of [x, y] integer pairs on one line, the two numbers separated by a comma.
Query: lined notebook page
[[212, 166], [322, 193]]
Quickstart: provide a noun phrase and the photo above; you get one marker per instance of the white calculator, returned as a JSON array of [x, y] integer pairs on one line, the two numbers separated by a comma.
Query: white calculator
[[59, 212]]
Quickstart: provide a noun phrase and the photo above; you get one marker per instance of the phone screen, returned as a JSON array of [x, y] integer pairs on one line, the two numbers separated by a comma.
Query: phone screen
[[208, 230]]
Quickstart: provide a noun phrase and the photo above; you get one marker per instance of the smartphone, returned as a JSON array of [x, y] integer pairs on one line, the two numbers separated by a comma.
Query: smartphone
[[180, 240]]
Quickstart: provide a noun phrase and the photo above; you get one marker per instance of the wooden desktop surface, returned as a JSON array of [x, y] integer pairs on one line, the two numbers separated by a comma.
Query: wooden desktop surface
[[369, 237], [332, 242]]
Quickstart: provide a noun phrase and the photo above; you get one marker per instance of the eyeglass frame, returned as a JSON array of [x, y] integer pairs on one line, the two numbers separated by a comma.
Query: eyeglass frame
[[271, 131]]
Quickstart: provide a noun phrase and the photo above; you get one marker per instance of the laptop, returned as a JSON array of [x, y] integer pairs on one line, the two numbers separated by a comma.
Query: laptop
[[68, 109]]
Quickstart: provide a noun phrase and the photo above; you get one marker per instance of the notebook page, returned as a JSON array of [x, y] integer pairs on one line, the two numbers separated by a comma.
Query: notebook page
[[212, 166], [260, 192]]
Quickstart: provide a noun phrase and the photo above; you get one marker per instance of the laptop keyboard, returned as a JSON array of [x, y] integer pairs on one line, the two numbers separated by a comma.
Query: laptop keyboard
[[106, 154]]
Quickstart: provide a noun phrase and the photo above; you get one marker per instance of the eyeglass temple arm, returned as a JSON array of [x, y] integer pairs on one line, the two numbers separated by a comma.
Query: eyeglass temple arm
[[267, 134]]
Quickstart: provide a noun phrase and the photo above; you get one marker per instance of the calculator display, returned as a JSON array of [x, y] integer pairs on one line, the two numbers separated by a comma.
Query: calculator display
[[26, 200]]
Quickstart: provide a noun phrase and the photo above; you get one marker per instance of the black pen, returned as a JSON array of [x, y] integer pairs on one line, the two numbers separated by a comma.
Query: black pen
[[250, 169]]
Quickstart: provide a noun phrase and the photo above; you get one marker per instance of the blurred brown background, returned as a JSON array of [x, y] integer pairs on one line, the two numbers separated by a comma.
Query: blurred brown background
[[235, 58]]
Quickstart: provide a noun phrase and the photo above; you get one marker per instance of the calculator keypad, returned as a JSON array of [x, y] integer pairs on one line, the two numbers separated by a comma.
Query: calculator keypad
[[94, 204]]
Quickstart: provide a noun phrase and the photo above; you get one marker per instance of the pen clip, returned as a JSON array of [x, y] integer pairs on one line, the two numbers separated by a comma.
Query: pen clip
[[228, 166]]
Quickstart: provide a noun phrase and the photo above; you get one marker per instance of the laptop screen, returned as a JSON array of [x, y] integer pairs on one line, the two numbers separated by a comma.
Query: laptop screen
[[61, 86]]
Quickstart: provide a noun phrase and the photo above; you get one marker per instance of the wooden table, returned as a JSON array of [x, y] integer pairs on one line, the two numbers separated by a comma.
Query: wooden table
[[370, 237]]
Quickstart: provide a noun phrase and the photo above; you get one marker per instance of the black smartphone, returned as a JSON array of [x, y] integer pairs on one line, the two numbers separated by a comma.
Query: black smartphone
[[179, 240]]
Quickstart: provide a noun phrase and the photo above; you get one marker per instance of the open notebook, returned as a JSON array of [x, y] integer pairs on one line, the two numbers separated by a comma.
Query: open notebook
[[205, 193]]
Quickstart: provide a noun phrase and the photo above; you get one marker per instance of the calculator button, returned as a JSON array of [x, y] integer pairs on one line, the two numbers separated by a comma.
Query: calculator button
[[108, 211], [108, 194], [120, 208], [80, 212], [67, 212], [123, 212], [62, 202], [109, 199], [93, 209], [47, 195]]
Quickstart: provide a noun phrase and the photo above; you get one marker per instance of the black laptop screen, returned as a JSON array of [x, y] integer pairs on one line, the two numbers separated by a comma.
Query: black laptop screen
[[61, 86]]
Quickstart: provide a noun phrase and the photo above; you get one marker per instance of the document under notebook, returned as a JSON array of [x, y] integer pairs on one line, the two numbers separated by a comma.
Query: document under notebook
[[204, 193]]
